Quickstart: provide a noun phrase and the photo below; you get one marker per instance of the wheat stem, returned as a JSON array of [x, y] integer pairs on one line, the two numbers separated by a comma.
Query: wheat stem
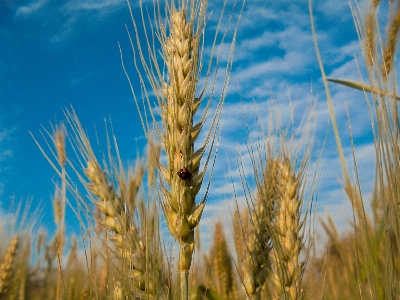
[[60, 147]]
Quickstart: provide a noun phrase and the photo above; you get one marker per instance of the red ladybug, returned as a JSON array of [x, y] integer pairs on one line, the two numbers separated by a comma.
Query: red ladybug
[[185, 174]]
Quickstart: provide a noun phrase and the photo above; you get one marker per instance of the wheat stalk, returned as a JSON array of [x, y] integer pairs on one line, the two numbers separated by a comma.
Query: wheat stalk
[[180, 209], [180, 35], [60, 203]]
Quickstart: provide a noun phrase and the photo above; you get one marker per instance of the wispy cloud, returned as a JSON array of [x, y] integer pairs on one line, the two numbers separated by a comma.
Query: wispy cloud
[[31, 8], [94, 5]]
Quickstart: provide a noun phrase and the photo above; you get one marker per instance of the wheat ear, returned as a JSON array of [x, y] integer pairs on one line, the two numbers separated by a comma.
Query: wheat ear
[[6, 269], [390, 49], [117, 220], [221, 267], [180, 209], [254, 250], [133, 240], [286, 235], [370, 37]]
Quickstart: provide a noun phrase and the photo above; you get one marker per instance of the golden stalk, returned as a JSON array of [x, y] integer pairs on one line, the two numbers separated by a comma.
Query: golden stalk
[[60, 211]]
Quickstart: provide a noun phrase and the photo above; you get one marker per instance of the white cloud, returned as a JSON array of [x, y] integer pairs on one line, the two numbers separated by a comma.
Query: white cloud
[[94, 5], [31, 8]]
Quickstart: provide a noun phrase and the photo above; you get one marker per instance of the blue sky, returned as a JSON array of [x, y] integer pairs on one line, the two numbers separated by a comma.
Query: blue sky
[[54, 54]]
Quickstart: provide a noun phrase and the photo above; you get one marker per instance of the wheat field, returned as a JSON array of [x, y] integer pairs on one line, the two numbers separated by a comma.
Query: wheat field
[[131, 216]]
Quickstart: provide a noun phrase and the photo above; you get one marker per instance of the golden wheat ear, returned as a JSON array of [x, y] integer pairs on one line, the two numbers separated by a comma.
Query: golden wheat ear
[[133, 227], [6, 268], [253, 238], [113, 202], [287, 238]]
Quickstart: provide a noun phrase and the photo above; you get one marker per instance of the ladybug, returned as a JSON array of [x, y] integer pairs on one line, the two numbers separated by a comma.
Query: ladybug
[[185, 174]]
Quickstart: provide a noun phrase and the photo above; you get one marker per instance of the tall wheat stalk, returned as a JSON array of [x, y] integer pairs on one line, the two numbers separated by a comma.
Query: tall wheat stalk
[[376, 240], [61, 151], [180, 39]]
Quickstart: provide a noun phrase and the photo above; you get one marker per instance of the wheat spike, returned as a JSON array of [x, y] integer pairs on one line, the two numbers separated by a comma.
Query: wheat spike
[[370, 37], [222, 265], [254, 258], [57, 207], [239, 240], [178, 109], [118, 219], [180, 209], [60, 146], [390, 49], [153, 159], [287, 239], [6, 269]]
